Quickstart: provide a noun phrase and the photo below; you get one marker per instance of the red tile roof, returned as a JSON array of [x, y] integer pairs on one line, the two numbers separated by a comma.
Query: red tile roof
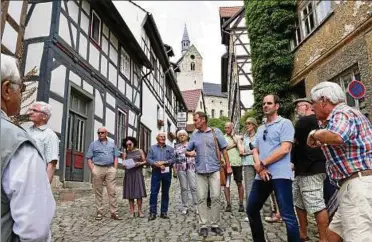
[[191, 98], [228, 12]]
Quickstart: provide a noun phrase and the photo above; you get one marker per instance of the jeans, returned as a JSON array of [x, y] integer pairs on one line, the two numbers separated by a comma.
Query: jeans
[[202, 182], [187, 181], [283, 192], [164, 179]]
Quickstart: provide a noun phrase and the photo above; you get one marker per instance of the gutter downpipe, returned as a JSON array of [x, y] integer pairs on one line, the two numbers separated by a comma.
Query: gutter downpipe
[[142, 79], [165, 79]]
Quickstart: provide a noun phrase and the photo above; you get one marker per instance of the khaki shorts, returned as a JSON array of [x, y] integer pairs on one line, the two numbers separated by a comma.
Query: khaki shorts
[[353, 218], [308, 193]]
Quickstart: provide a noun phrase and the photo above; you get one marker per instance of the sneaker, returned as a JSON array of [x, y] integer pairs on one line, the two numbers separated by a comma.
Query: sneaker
[[241, 208], [99, 216], [217, 230], [246, 219], [196, 211], [228, 208], [203, 232], [184, 211]]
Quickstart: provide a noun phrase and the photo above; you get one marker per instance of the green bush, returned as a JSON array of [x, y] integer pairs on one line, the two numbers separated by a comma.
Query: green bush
[[270, 27], [218, 122]]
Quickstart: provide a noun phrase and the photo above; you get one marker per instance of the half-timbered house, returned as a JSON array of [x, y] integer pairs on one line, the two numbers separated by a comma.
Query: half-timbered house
[[89, 69], [161, 96], [236, 76]]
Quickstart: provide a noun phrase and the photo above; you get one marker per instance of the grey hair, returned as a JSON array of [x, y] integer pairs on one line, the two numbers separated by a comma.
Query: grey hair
[[329, 90], [9, 69], [161, 133], [46, 108], [182, 131], [231, 124], [103, 127]]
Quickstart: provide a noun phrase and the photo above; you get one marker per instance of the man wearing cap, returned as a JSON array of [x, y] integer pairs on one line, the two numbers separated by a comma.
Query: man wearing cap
[[310, 173]]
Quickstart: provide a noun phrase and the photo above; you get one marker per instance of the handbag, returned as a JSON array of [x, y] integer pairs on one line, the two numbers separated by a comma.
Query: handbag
[[218, 153]]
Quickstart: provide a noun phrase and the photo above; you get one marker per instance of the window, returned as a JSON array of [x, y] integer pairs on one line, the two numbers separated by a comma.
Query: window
[[323, 8], [169, 125], [192, 57], [168, 92], [144, 139], [125, 63], [193, 66], [344, 79], [201, 105], [308, 18], [121, 127], [158, 112], [297, 38], [95, 28], [221, 113], [212, 113]]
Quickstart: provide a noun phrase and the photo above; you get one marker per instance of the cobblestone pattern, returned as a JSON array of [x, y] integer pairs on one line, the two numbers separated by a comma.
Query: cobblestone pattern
[[74, 221]]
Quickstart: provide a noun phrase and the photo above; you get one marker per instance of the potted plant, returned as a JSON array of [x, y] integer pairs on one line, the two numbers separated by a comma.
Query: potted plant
[[160, 123]]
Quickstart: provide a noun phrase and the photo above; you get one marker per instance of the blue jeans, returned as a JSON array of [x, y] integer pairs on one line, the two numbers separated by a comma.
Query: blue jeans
[[283, 192], [164, 179]]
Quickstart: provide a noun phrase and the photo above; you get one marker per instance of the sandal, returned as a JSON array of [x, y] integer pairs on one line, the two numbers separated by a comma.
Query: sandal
[[141, 215], [99, 216], [273, 219]]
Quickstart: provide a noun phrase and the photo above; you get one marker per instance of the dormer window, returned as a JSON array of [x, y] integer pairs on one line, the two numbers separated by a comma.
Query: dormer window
[[193, 66], [95, 28]]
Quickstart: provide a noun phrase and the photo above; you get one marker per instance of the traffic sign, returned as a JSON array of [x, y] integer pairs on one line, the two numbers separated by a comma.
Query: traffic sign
[[356, 89], [181, 117], [181, 124]]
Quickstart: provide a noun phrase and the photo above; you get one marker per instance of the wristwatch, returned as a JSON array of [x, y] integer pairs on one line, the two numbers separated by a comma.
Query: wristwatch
[[262, 164]]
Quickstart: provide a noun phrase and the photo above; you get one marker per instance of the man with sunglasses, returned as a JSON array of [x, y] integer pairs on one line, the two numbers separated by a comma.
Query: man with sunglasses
[[102, 158], [47, 141], [272, 162], [27, 202]]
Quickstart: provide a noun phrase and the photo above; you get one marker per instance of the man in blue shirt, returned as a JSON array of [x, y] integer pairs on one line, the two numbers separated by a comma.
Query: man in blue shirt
[[161, 158], [271, 154], [102, 158], [207, 166]]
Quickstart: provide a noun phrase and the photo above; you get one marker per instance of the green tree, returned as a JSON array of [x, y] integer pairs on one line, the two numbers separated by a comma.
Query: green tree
[[270, 26], [218, 122]]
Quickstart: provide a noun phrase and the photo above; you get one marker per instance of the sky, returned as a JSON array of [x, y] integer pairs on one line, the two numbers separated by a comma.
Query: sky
[[203, 25]]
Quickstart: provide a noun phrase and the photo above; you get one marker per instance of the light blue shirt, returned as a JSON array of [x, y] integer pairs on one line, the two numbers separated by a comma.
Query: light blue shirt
[[279, 131], [102, 153], [204, 146], [248, 160], [160, 153]]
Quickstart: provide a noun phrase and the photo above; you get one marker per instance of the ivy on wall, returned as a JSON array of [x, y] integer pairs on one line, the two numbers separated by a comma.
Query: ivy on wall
[[270, 27]]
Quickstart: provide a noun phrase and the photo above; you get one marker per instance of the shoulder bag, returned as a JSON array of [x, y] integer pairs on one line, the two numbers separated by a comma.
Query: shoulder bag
[[218, 153]]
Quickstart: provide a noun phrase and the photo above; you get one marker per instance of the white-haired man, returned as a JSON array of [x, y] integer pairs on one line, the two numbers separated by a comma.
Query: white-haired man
[[102, 159], [27, 203], [346, 141], [161, 158], [47, 141]]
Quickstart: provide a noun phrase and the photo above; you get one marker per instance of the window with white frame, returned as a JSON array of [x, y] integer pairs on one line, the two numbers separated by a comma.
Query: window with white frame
[[125, 63], [308, 18], [121, 127], [95, 28], [344, 80]]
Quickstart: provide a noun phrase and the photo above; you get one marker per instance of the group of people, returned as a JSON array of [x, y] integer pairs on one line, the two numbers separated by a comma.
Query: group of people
[[322, 165]]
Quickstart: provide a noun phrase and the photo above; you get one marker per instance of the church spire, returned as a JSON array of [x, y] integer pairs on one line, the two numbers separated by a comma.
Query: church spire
[[185, 43]]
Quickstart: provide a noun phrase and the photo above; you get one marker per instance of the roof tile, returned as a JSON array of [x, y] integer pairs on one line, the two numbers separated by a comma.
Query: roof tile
[[191, 98], [228, 12]]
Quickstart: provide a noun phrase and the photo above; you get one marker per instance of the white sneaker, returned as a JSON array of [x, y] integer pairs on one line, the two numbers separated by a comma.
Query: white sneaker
[[246, 219], [185, 211]]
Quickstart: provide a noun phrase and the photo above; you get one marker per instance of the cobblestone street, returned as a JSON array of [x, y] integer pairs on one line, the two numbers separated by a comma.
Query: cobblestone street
[[75, 221]]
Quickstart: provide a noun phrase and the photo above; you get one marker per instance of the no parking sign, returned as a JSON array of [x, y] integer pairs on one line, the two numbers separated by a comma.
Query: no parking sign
[[356, 89]]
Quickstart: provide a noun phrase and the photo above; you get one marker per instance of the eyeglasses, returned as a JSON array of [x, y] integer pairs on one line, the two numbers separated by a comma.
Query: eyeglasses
[[36, 111], [101, 132], [268, 103], [264, 134], [21, 85]]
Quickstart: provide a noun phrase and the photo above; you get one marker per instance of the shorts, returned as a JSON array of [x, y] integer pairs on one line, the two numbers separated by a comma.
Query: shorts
[[308, 193], [237, 173]]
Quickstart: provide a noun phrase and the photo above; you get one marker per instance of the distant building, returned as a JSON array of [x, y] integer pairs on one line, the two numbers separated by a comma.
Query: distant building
[[195, 102], [236, 64], [332, 42], [215, 101]]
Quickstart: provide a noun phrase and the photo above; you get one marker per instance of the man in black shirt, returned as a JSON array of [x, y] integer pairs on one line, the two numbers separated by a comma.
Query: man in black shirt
[[310, 173]]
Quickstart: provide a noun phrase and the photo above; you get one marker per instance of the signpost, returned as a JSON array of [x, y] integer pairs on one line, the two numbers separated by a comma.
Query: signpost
[[181, 124], [181, 119], [356, 89]]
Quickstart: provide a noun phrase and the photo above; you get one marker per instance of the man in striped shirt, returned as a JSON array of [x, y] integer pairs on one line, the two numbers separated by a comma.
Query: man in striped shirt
[[346, 142]]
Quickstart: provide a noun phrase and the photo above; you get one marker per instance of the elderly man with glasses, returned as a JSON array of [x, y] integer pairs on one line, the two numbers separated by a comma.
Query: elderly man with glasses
[[27, 203], [346, 141], [47, 141], [272, 162], [102, 158]]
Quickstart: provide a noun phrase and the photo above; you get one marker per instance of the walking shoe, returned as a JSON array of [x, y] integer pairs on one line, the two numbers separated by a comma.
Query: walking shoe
[[185, 211], [246, 219], [152, 217], [164, 216], [115, 216], [217, 230], [228, 208], [203, 232], [99, 216], [196, 210], [241, 208]]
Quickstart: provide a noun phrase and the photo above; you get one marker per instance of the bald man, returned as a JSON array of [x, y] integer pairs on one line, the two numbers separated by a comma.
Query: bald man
[[233, 150]]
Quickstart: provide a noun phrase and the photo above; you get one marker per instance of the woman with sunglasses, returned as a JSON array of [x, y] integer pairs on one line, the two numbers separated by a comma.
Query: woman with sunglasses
[[134, 182]]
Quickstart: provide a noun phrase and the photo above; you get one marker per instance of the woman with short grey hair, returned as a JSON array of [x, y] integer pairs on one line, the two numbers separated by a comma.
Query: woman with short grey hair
[[185, 168]]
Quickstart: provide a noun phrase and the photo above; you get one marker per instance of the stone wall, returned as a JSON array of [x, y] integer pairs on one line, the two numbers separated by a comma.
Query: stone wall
[[342, 41]]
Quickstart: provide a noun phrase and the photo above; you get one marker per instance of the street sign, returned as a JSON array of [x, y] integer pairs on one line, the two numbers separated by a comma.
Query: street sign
[[181, 124], [356, 89], [181, 117]]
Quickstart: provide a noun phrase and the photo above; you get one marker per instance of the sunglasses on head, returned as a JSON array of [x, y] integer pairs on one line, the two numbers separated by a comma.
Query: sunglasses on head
[[264, 134]]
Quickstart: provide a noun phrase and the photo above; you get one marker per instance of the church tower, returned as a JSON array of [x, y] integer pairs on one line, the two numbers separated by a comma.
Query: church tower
[[185, 43]]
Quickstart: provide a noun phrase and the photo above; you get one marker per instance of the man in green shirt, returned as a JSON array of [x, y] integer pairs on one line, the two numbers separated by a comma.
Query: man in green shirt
[[233, 149]]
